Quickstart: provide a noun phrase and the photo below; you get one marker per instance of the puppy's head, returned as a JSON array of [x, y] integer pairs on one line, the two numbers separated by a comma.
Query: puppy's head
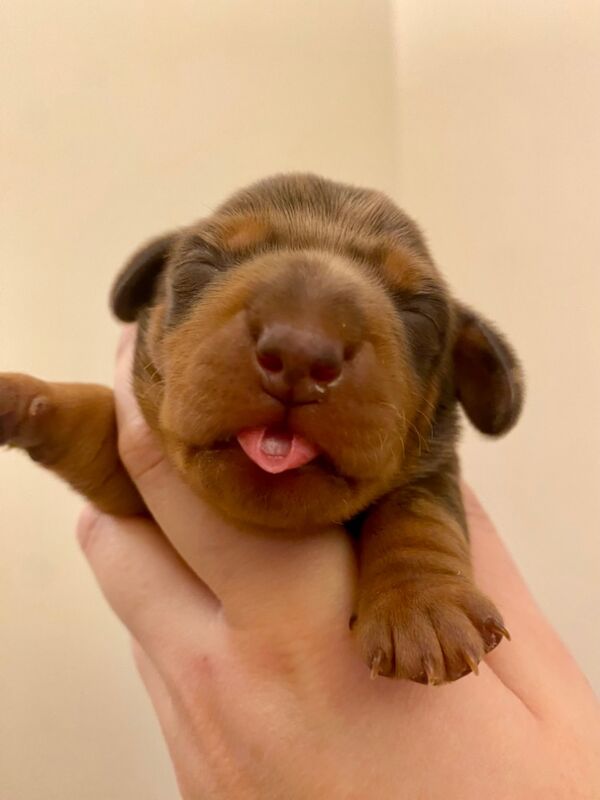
[[300, 355]]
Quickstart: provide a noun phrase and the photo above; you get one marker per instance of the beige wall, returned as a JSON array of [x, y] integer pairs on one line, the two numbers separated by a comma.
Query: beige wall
[[499, 157], [120, 119]]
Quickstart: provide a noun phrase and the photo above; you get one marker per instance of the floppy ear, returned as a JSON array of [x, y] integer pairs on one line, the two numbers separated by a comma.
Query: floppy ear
[[488, 377], [135, 285]]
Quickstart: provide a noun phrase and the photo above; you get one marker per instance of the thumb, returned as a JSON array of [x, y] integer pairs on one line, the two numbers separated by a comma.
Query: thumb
[[258, 578]]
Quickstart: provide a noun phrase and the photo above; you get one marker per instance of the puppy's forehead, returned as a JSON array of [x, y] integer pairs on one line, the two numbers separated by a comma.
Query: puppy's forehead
[[309, 212], [314, 206]]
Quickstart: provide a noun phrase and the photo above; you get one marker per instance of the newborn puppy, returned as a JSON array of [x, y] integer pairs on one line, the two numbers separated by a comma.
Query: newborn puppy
[[301, 360]]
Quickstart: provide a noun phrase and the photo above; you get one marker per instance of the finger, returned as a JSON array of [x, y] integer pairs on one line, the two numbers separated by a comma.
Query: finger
[[535, 664], [148, 586], [302, 578], [155, 685], [182, 745], [191, 720]]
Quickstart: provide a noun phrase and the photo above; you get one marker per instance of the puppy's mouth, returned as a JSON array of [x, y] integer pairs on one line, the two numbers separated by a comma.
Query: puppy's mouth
[[276, 449]]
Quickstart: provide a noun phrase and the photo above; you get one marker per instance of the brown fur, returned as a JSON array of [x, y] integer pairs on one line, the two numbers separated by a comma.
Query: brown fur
[[342, 266]]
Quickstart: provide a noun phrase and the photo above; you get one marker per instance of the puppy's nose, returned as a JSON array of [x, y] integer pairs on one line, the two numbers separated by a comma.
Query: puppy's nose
[[298, 364]]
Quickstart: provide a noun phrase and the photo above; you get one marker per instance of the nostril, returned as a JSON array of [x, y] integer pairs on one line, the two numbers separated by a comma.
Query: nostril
[[291, 357], [269, 360], [325, 371], [350, 351]]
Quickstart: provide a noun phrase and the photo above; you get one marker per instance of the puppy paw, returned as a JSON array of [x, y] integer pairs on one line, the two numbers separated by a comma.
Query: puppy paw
[[25, 405], [431, 631]]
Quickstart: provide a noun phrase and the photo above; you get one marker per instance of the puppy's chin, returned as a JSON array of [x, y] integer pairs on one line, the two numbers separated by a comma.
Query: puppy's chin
[[309, 497]]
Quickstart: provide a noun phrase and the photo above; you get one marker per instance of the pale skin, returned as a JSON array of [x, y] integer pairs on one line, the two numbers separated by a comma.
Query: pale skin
[[243, 645]]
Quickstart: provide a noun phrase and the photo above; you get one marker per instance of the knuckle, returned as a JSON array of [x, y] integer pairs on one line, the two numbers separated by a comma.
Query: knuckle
[[89, 528], [192, 670]]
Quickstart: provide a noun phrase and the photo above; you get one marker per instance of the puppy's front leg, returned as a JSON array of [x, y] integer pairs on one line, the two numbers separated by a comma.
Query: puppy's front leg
[[420, 615], [70, 428]]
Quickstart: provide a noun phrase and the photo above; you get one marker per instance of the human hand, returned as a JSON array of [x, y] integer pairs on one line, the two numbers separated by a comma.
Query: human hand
[[243, 645]]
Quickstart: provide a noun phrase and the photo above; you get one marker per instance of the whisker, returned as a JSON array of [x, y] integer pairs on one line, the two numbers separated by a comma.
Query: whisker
[[428, 420]]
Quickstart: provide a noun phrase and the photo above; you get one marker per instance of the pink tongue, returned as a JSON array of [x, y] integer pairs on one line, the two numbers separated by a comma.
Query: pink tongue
[[276, 450]]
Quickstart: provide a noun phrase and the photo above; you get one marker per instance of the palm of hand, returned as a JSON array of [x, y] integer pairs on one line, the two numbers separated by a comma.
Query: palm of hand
[[244, 647]]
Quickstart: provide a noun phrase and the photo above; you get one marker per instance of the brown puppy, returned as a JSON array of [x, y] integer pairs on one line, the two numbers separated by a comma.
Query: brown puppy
[[301, 359]]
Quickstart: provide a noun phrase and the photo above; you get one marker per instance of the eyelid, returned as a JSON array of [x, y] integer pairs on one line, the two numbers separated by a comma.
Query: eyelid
[[196, 261], [421, 304], [423, 313], [190, 265], [191, 275]]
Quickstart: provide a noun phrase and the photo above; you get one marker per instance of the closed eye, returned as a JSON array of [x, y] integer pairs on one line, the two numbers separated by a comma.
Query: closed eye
[[428, 306], [191, 275], [425, 319], [425, 316], [188, 281]]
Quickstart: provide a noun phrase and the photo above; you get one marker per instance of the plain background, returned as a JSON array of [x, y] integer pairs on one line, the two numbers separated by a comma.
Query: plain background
[[122, 119]]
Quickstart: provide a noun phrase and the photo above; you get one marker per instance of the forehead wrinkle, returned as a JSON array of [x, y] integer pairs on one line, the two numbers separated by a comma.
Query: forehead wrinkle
[[301, 213], [279, 230]]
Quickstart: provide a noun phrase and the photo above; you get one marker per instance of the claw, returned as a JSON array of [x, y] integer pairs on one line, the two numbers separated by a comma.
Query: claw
[[429, 669], [498, 627], [376, 663], [472, 663], [505, 632]]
